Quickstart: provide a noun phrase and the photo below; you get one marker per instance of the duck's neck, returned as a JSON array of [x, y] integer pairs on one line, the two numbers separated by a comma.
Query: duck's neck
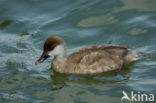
[[61, 52]]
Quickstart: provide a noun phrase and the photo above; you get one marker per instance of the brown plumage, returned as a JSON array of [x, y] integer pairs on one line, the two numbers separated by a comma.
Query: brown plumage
[[88, 60], [52, 42]]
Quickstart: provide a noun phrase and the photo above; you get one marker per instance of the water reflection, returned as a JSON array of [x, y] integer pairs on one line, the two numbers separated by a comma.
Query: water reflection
[[137, 31], [140, 5], [5, 23], [97, 21], [19, 101], [12, 82]]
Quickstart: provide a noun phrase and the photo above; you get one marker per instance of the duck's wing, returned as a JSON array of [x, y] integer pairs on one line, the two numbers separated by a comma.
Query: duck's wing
[[97, 59], [76, 57]]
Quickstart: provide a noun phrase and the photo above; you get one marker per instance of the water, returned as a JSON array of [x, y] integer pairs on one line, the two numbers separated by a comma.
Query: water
[[26, 24]]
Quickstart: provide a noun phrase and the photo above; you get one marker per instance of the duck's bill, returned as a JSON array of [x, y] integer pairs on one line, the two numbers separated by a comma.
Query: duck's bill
[[43, 57]]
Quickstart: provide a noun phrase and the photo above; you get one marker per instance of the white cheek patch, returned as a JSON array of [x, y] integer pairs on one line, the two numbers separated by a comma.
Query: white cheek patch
[[50, 53], [58, 51]]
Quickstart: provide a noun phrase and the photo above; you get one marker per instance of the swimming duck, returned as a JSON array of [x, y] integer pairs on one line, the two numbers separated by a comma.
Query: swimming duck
[[88, 60]]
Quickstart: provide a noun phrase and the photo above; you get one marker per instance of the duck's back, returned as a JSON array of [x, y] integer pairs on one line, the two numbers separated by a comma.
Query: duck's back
[[96, 59], [111, 50]]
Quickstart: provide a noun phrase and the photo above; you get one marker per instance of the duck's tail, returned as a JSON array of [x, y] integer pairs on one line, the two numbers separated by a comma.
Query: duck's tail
[[130, 56]]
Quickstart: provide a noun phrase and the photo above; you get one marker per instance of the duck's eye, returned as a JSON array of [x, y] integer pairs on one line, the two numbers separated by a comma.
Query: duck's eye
[[51, 48]]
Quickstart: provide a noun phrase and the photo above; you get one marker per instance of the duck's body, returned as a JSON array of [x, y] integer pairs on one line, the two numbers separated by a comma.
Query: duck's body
[[89, 60]]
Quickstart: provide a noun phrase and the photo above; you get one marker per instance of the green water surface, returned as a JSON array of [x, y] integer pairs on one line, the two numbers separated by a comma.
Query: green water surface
[[26, 24]]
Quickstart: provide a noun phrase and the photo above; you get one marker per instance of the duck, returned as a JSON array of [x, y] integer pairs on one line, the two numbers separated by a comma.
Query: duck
[[87, 60]]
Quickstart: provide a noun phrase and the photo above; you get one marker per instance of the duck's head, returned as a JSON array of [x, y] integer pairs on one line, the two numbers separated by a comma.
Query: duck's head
[[53, 46]]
